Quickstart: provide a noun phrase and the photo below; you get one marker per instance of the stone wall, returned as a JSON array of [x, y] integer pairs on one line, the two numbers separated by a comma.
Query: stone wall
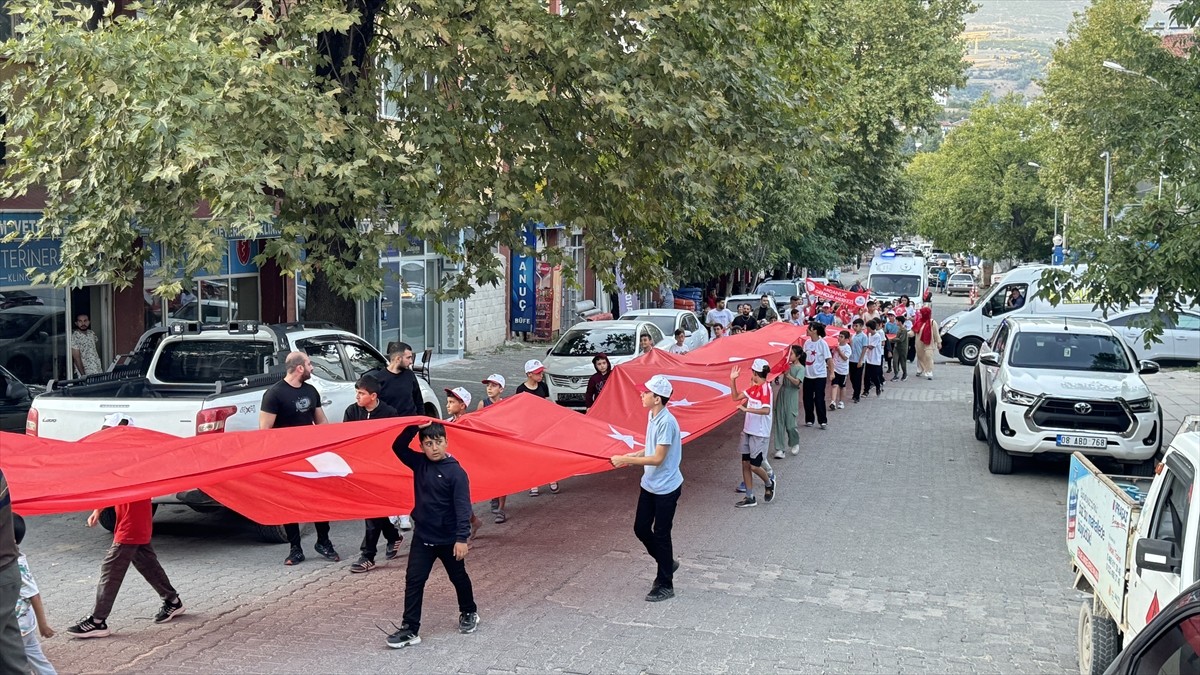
[[486, 314]]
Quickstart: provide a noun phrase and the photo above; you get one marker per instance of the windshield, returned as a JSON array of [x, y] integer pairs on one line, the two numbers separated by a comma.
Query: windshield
[[782, 290], [665, 323], [895, 284], [1067, 351], [206, 361], [592, 341], [15, 325]]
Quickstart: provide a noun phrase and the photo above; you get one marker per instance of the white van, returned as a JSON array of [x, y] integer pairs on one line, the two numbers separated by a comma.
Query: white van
[[963, 332], [893, 274]]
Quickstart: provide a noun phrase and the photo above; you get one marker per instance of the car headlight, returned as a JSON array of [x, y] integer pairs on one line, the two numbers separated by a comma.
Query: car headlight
[[1141, 405], [948, 324], [1009, 395]]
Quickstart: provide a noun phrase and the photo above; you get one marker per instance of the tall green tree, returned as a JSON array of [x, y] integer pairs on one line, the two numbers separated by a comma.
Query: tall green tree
[[623, 118], [980, 191], [1143, 109]]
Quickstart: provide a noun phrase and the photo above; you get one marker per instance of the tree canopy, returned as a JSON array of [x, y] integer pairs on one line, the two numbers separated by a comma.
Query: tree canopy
[[652, 126]]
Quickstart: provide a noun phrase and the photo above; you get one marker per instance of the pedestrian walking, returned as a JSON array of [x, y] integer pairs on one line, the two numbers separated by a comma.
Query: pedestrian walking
[[85, 353], [721, 316], [596, 382], [661, 485], [30, 612], [399, 388], [873, 355], [679, 347], [442, 511], [818, 372], [928, 341], [841, 370], [787, 404], [858, 364], [293, 402], [12, 648], [367, 406], [131, 546], [900, 350], [495, 393], [458, 403], [755, 401], [535, 384]]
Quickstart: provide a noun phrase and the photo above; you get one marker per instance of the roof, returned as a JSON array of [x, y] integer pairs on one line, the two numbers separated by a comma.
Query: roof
[[1072, 324], [613, 323], [1179, 44], [653, 311]]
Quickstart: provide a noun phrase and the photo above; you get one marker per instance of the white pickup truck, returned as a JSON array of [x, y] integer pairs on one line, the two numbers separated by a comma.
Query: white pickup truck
[[193, 379], [1134, 545]]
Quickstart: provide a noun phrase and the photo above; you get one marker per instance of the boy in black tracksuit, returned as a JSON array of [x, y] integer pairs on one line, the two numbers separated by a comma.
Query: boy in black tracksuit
[[368, 406], [442, 516]]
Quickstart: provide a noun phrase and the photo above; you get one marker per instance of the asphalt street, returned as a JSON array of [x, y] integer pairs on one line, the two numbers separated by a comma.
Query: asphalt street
[[890, 548]]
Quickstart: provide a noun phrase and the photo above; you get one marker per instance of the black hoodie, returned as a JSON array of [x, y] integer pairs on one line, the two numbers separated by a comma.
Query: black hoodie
[[441, 493]]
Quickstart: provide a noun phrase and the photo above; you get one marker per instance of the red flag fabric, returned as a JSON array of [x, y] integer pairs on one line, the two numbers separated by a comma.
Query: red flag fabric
[[700, 379], [835, 294]]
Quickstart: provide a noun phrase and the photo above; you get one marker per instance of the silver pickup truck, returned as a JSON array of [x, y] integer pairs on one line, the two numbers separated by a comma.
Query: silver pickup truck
[[193, 379]]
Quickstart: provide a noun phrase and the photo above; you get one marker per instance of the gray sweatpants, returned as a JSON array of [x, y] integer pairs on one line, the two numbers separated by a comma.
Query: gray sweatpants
[[12, 649], [116, 564]]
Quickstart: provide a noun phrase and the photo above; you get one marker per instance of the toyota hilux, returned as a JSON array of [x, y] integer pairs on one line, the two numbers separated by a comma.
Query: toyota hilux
[[1060, 385]]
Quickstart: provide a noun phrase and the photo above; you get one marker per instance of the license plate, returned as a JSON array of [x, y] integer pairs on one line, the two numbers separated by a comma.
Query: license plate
[[570, 398], [1081, 441]]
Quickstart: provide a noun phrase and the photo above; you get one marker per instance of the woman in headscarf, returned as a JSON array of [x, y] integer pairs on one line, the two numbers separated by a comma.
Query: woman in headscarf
[[928, 341], [596, 382]]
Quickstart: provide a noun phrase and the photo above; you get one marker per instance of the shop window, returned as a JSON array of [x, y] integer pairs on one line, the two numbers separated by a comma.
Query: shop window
[[33, 334]]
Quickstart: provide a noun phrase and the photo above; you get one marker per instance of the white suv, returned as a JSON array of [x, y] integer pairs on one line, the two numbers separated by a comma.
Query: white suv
[[1057, 385]]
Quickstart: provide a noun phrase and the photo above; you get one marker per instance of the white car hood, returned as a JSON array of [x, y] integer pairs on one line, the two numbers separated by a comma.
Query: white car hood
[[1081, 384]]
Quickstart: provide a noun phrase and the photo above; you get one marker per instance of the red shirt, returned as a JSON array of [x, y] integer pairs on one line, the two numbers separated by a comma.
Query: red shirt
[[133, 523]]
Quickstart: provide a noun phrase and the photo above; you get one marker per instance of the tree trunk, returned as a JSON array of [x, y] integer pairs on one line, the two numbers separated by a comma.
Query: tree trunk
[[345, 62]]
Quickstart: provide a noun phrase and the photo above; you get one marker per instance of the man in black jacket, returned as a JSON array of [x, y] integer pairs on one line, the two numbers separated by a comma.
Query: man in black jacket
[[398, 385], [442, 511], [367, 406]]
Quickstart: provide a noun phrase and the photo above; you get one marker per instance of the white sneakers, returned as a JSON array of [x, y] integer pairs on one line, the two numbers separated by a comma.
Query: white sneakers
[[778, 454], [795, 449], [841, 405]]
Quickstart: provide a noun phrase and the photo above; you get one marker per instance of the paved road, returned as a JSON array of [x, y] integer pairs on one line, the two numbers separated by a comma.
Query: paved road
[[889, 549]]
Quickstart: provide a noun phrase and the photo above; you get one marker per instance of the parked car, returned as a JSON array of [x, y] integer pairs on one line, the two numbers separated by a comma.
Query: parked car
[[670, 320], [569, 362], [1180, 339], [1168, 644], [1057, 385], [960, 283], [33, 342], [15, 399]]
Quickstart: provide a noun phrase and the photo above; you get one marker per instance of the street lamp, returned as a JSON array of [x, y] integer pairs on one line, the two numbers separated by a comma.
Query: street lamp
[[1113, 65], [1107, 183]]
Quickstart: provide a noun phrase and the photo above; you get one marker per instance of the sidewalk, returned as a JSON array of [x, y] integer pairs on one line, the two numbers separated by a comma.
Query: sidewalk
[[1178, 393]]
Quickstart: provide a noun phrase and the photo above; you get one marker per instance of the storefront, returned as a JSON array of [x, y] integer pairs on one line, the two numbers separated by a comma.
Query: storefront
[[407, 311], [230, 293]]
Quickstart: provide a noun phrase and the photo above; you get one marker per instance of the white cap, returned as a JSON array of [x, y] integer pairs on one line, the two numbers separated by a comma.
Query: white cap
[[759, 365], [533, 366], [117, 419], [659, 385], [460, 394], [496, 378]]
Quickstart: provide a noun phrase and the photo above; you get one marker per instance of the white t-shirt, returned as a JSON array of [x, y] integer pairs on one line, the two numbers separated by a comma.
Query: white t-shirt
[[815, 353], [721, 316], [874, 357], [841, 360], [678, 349], [759, 396]]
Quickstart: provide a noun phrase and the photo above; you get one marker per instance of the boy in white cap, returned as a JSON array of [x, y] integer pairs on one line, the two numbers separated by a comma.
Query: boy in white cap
[[458, 403], [131, 546], [535, 374], [756, 431], [662, 483], [495, 390]]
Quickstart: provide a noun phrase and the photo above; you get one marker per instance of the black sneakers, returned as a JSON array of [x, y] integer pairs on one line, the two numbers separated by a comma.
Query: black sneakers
[[660, 593], [468, 622], [295, 557], [748, 502], [392, 550], [770, 494], [363, 564], [403, 638], [89, 627], [326, 550], [169, 610]]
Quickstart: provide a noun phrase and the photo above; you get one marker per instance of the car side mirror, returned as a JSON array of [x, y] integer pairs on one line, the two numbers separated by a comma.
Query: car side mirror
[[989, 359], [15, 391], [1147, 367], [1157, 555]]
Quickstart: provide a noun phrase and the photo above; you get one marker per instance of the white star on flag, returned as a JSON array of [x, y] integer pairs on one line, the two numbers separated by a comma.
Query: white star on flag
[[624, 438], [681, 403]]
